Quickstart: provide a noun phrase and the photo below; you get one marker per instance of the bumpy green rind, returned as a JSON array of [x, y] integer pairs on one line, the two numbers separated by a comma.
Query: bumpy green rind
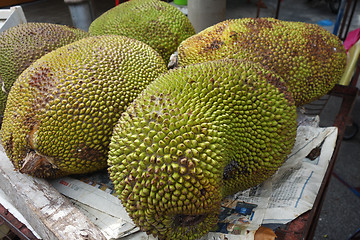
[[154, 22], [64, 107], [23, 44], [309, 58], [194, 136]]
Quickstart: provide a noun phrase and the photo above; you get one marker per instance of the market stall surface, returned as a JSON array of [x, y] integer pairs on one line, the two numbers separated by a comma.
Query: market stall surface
[[339, 218]]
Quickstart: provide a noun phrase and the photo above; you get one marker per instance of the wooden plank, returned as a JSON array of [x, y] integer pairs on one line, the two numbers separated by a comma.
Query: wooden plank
[[4, 14], [48, 212]]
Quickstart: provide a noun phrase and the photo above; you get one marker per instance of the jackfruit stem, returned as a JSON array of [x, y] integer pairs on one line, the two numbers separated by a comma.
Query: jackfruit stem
[[32, 162]]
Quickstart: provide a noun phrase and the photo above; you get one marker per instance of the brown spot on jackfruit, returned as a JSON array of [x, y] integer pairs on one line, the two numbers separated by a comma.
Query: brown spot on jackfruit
[[88, 153]]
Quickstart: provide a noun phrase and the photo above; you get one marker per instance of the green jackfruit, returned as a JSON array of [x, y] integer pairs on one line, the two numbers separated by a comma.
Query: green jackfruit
[[154, 22], [309, 58], [23, 44], [194, 136], [61, 111]]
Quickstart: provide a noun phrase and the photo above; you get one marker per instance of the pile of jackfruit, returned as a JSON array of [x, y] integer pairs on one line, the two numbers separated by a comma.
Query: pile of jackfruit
[[175, 141]]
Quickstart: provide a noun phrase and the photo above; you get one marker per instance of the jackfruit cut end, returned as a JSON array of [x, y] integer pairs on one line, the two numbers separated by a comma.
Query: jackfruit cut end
[[34, 162], [184, 220]]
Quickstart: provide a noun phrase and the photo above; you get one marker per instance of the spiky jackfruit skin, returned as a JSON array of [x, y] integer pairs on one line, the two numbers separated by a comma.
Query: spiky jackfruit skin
[[194, 136], [154, 22], [25, 43], [309, 58], [61, 111]]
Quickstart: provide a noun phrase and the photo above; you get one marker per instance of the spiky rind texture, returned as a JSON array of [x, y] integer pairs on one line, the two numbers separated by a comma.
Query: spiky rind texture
[[61, 111], [309, 58], [195, 135], [154, 22], [25, 43]]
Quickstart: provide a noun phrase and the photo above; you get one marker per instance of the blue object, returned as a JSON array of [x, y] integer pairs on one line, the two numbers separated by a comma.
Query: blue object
[[244, 208], [325, 22]]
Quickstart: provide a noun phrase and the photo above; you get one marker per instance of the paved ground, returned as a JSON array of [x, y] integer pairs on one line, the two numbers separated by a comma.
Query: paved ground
[[340, 216]]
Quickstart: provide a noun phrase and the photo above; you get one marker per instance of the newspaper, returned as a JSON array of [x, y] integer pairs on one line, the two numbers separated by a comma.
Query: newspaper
[[279, 200], [99, 204]]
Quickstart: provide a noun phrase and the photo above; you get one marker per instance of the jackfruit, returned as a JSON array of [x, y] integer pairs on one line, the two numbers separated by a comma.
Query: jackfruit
[[309, 58], [23, 44], [154, 22], [195, 135], [61, 110]]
